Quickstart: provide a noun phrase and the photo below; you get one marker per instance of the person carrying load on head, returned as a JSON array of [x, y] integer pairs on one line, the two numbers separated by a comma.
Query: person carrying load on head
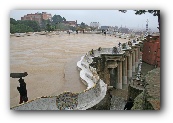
[[22, 90]]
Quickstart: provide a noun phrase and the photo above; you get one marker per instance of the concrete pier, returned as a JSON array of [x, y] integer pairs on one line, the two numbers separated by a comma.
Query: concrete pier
[[125, 71], [129, 67], [133, 61], [119, 83], [136, 59]]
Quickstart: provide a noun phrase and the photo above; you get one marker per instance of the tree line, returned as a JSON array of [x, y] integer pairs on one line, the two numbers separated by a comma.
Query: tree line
[[21, 26], [57, 23]]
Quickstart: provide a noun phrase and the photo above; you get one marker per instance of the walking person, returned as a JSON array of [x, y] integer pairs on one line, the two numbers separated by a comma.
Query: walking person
[[105, 33], [22, 90]]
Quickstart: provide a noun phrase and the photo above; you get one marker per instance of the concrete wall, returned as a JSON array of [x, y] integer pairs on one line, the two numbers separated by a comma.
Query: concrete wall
[[96, 89], [85, 99], [43, 103]]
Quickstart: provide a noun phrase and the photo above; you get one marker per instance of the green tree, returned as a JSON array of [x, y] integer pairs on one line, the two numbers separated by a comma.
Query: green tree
[[48, 27], [20, 28], [44, 24], [72, 28], [32, 24], [63, 19], [13, 21], [63, 27], [57, 19], [82, 25], [12, 28], [29, 25]]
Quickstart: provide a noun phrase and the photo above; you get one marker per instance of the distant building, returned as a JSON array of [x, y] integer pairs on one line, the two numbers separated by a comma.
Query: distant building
[[95, 24], [70, 23], [104, 27], [123, 30], [37, 17], [113, 29], [138, 32], [110, 28], [46, 16]]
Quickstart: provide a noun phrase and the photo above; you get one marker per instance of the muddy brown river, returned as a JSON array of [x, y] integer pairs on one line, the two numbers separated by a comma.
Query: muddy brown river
[[51, 62]]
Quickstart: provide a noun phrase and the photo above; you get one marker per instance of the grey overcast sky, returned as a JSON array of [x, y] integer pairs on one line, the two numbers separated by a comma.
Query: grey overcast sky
[[104, 17]]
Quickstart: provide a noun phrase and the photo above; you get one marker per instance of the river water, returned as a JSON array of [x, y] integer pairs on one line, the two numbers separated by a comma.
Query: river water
[[51, 62]]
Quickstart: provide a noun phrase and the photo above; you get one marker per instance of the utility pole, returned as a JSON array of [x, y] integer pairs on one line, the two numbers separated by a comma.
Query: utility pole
[[146, 33], [147, 28]]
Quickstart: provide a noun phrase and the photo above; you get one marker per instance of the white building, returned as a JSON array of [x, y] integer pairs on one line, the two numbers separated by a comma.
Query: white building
[[94, 24]]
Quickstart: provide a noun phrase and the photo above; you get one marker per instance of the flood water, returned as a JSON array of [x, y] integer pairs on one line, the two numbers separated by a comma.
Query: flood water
[[51, 62]]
